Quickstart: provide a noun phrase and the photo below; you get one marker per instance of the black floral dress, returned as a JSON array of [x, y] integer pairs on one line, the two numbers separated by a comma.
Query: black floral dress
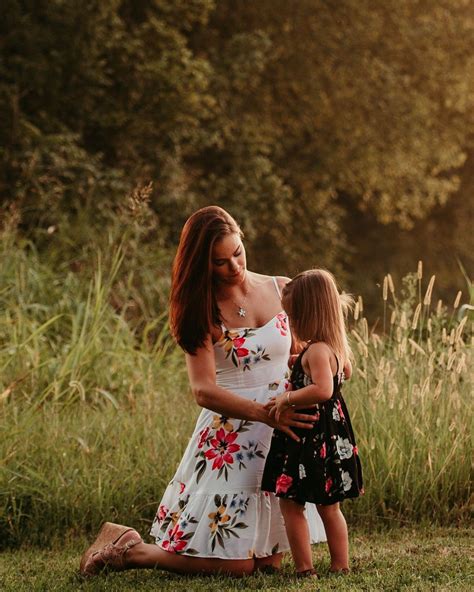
[[324, 467]]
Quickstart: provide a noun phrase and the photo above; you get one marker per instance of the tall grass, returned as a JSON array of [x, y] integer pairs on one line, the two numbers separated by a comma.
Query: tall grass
[[410, 401], [95, 410], [88, 403]]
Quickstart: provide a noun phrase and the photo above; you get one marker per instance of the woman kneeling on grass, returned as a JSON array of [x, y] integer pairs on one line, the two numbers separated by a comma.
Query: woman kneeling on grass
[[214, 516]]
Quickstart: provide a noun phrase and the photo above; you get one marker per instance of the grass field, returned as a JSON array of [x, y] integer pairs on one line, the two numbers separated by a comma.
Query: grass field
[[95, 413], [422, 559], [91, 407]]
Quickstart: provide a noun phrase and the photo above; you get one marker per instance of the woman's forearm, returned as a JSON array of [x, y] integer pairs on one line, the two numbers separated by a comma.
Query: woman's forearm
[[228, 404]]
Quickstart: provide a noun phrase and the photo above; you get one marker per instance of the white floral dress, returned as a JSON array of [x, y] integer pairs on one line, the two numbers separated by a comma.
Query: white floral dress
[[214, 505]]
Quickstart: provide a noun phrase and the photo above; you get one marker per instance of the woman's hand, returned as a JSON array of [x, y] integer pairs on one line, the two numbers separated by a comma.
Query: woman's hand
[[290, 418]]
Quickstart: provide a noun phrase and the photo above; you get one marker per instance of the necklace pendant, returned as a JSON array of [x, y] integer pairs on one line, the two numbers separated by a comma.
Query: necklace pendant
[[242, 312]]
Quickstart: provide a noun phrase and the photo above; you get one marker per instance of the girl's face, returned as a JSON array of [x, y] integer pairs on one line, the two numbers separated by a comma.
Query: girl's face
[[228, 260]]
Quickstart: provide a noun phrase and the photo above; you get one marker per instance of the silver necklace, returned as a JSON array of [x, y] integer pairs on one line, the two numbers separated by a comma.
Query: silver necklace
[[241, 311]]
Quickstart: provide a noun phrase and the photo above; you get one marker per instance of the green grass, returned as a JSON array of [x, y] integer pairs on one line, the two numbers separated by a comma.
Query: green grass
[[423, 559]]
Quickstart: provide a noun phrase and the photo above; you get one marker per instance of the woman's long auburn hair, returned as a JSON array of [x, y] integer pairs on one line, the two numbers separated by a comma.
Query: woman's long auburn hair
[[193, 305], [316, 310]]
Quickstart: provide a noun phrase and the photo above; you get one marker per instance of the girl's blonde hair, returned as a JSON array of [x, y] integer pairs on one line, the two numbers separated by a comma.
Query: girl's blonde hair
[[316, 310]]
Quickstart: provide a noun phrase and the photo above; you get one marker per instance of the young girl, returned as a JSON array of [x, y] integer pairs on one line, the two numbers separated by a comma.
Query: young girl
[[323, 467]]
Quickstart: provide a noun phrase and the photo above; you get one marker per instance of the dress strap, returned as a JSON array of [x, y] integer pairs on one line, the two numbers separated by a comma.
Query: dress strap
[[277, 287], [339, 374]]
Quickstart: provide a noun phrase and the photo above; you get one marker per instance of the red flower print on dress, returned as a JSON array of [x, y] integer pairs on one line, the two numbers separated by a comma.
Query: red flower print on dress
[[355, 450], [182, 487], [322, 452], [339, 408], [283, 483], [282, 323], [239, 350], [328, 485], [203, 434], [232, 342], [222, 448], [162, 511], [175, 543]]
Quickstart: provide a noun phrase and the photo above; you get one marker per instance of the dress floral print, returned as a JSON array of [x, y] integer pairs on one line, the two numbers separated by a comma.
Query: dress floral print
[[218, 444], [324, 467], [214, 505], [236, 347], [178, 527]]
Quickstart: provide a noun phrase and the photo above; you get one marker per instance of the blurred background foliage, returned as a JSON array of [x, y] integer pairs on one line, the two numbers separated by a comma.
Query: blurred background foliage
[[338, 134]]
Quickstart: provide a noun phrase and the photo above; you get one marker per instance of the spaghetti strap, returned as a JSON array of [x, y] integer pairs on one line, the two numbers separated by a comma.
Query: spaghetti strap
[[277, 288]]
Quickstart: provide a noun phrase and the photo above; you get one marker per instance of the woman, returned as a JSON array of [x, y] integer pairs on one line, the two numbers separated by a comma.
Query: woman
[[213, 516]]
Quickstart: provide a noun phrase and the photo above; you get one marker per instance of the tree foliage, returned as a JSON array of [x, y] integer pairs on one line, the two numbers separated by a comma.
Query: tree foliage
[[288, 114]]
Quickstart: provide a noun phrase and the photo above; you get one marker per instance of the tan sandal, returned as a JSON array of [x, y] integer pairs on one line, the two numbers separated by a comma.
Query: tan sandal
[[109, 549]]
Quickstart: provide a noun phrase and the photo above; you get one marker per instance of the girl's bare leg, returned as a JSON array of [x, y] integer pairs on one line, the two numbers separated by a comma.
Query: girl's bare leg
[[336, 532], [297, 531], [146, 555]]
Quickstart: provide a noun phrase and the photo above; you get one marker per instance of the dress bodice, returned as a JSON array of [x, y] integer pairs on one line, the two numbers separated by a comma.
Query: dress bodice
[[248, 357]]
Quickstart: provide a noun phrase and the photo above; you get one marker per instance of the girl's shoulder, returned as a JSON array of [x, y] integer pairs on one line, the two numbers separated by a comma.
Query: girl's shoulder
[[317, 354], [320, 349]]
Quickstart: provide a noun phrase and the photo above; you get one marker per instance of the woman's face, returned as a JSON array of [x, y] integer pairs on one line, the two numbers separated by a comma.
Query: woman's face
[[228, 260]]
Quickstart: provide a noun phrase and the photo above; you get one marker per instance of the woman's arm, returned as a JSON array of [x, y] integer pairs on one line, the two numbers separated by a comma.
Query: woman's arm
[[202, 378]]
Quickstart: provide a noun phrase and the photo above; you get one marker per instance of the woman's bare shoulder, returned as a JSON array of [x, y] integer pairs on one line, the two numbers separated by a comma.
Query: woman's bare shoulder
[[282, 281], [260, 278]]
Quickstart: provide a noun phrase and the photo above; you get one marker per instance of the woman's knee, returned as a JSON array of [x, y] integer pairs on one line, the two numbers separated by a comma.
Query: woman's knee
[[269, 562], [242, 568]]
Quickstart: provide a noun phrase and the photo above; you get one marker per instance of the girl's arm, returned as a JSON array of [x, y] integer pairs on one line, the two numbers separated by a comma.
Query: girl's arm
[[202, 377], [347, 370], [318, 361]]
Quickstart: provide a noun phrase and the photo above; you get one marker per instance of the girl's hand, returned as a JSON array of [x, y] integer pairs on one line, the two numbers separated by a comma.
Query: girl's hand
[[281, 404], [277, 405], [270, 404]]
